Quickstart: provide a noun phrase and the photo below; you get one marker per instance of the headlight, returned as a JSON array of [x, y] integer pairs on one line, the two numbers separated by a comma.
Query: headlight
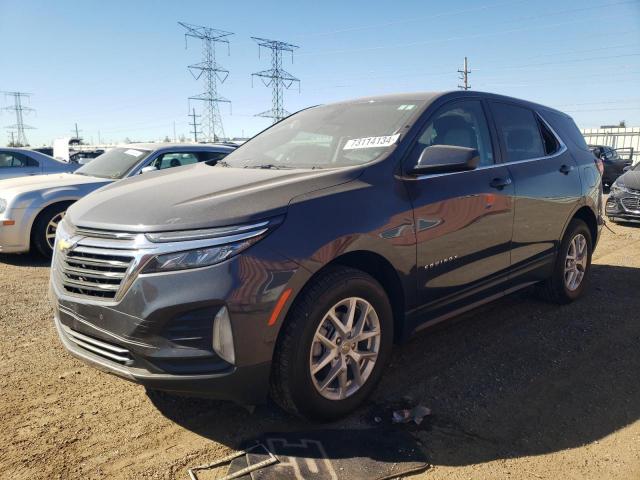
[[208, 246], [3, 205], [201, 257]]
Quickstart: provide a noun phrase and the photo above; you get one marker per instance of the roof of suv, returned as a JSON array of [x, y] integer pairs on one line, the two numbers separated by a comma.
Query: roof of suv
[[430, 97], [160, 146]]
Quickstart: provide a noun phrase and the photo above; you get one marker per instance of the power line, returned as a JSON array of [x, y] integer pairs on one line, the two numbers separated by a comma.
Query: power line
[[277, 78], [194, 125], [20, 110], [213, 73], [464, 76]]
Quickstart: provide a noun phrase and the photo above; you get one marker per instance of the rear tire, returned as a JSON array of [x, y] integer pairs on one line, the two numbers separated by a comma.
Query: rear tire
[[322, 371], [572, 267], [45, 226]]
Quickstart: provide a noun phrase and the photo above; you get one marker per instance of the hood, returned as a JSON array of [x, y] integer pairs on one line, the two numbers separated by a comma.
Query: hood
[[631, 179], [16, 186], [199, 196]]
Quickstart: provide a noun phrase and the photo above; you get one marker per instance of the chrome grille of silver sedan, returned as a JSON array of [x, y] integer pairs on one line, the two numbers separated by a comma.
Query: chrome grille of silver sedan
[[93, 274]]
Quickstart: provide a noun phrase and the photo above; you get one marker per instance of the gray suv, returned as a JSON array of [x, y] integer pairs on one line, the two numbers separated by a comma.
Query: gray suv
[[291, 267]]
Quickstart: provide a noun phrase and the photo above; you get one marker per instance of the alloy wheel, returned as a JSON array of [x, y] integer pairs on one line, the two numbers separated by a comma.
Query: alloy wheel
[[52, 226], [575, 264], [345, 348]]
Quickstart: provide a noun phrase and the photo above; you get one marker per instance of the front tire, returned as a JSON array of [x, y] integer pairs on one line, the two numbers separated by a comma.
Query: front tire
[[572, 266], [334, 345], [45, 226]]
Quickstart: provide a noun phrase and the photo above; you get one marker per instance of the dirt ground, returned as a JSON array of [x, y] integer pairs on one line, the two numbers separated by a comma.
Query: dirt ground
[[519, 389]]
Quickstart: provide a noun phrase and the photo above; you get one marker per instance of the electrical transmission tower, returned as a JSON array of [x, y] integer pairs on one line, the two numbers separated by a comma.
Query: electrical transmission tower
[[464, 76], [194, 125], [17, 107], [276, 78], [212, 73]]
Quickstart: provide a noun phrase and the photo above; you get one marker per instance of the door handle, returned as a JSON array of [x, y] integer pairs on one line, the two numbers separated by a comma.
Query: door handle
[[500, 183], [566, 169]]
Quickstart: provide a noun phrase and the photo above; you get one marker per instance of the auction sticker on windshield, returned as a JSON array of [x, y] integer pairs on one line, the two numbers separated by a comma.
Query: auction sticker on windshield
[[134, 153], [371, 142]]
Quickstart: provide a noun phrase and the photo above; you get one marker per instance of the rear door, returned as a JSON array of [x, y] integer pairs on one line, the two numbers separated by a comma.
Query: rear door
[[547, 187], [463, 220]]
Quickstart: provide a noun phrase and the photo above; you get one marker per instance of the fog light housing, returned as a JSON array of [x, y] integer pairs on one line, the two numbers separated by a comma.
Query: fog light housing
[[223, 336]]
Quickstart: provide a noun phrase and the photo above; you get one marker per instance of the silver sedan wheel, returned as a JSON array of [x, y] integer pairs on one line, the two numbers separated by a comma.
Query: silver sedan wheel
[[345, 348], [575, 264], [52, 226]]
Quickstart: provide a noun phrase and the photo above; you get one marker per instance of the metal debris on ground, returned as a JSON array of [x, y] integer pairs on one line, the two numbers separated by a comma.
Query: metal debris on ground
[[227, 460], [415, 414]]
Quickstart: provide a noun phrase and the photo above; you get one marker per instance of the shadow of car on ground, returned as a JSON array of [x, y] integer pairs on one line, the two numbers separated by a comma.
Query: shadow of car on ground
[[517, 377]]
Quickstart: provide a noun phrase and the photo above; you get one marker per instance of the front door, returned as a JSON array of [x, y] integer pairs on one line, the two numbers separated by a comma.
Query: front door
[[463, 220]]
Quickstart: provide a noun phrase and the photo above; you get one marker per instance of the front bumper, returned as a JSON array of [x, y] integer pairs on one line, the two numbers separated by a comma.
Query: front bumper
[[624, 207], [158, 332], [244, 385], [15, 238]]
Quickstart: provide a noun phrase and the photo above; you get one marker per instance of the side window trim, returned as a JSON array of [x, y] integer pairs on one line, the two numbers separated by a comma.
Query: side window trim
[[561, 145]]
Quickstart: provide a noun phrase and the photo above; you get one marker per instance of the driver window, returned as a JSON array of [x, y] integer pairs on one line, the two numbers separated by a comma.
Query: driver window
[[461, 124], [170, 160]]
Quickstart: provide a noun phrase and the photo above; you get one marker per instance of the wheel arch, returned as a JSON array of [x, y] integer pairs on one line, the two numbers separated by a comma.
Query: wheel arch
[[587, 215], [36, 217], [378, 267]]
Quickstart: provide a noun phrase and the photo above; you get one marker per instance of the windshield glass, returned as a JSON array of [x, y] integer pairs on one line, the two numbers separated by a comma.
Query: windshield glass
[[115, 163], [328, 136]]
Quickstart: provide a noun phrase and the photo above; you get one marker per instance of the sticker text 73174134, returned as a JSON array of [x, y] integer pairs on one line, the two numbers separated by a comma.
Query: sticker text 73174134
[[371, 142]]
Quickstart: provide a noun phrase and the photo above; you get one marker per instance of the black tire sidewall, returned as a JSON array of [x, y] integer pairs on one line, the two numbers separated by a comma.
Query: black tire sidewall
[[304, 394], [40, 228]]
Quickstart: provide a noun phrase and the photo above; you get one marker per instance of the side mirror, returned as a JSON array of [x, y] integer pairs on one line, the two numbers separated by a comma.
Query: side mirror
[[627, 168], [147, 169], [446, 158]]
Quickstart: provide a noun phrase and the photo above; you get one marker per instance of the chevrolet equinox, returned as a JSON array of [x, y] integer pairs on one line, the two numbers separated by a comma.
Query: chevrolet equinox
[[291, 267]]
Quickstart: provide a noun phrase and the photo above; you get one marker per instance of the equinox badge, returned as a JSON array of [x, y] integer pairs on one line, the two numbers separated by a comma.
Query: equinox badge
[[437, 263]]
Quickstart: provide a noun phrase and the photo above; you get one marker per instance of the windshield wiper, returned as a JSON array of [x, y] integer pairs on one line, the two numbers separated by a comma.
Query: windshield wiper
[[220, 163], [269, 166]]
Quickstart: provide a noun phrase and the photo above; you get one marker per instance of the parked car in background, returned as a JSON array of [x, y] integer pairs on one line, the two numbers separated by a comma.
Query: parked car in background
[[623, 204], [20, 162], [84, 156], [292, 266], [614, 165], [31, 208]]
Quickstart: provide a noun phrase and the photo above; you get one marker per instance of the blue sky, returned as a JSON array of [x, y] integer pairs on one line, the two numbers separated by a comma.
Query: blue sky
[[119, 67]]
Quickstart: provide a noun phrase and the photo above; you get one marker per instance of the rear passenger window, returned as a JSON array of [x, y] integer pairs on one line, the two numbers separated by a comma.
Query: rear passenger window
[[520, 132]]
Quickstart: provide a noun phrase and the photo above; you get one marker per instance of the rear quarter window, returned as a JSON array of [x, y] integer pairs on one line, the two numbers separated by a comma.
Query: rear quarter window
[[566, 128]]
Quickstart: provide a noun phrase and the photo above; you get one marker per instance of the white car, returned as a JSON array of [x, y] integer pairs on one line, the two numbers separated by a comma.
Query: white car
[[32, 207], [20, 162]]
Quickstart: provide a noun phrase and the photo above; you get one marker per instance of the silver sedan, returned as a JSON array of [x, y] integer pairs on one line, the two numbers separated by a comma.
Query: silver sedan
[[31, 207], [20, 162]]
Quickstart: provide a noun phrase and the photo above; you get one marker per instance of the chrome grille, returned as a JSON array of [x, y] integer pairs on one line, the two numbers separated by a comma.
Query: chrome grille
[[631, 203], [99, 347], [93, 274]]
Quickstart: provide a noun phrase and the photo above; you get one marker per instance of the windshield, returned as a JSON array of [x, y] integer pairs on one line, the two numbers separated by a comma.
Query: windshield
[[115, 163], [328, 136]]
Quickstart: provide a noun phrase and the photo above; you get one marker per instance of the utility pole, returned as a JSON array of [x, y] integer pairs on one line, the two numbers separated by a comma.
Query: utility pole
[[77, 132], [13, 140], [277, 78], [212, 73], [194, 125], [174, 132], [464, 76], [20, 110]]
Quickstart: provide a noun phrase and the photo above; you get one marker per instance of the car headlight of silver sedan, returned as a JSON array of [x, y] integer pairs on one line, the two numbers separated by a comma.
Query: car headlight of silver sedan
[[618, 187], [3, 205]]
